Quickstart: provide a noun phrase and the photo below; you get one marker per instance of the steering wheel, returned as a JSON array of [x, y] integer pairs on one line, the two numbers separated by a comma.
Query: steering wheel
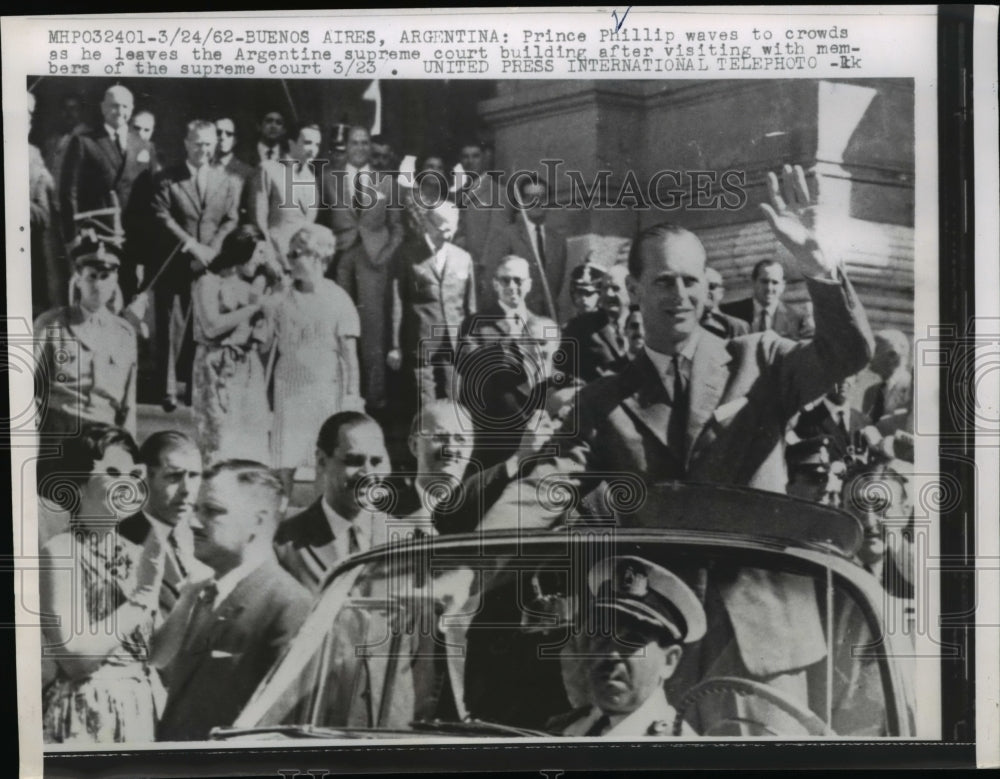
[[813, 725]]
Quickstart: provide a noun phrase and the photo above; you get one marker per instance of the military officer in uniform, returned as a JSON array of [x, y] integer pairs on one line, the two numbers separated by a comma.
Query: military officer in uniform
[[639, 617], [85, 355], [585, 287]]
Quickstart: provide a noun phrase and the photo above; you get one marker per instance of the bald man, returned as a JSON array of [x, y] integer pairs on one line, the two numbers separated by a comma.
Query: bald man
[[111, 161]]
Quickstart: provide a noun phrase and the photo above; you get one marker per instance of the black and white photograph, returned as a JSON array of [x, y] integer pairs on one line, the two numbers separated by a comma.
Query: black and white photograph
[[572, 388]]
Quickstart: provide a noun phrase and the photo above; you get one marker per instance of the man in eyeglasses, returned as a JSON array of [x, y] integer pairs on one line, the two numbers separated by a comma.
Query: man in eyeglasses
[[85, 356], [712, 319]]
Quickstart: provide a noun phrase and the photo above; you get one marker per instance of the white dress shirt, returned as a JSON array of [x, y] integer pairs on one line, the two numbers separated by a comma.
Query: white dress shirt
[[118, 135], [228, 582], [341, 528], [769, 321], [263, 151], [664, 363], [352, 174]]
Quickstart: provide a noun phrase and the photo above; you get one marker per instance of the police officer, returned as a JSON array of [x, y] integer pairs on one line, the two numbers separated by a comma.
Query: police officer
[[812, 473], [584, 287], [639, 617], [85, 355]]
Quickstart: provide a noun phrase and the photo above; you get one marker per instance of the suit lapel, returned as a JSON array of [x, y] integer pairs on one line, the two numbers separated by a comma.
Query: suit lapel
[[186, 184], [112, 152], [648, 403], [709, 376], [607, 335], [135, 528]]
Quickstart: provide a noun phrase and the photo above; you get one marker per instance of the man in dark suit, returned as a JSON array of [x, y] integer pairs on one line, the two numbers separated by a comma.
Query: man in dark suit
[[531, 236], [225, 155], [832, 418], [368, 234], [712, 319], [596, 343], [499, 363], [350, 448], [691, 405], [272, 143], [106, 167], [173, 476], [197, 206], [226, 632], [765, 311], [434, 292]]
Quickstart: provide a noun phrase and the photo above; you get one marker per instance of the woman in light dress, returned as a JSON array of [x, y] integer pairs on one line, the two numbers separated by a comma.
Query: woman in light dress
[[99, 686], [316, 328], [230, 390]]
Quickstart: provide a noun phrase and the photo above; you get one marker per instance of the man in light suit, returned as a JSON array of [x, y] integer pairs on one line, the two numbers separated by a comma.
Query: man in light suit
[[368, 233], [110, 161], [530, 235], [765, 311], [293, 178], [226, 632], [691, 405], [434, 292], [173, 477], [196, 205], [350, 448]]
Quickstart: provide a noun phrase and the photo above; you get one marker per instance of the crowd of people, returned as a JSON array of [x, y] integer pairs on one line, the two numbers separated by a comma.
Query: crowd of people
[[302, 315]]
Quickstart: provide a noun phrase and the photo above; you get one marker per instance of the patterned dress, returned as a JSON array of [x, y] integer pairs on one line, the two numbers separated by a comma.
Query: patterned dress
[[120, 700], [308, 375], [230, 393]]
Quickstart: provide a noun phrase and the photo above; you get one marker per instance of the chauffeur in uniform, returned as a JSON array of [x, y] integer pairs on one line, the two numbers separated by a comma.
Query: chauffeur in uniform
[[642, 614], [85, 355]]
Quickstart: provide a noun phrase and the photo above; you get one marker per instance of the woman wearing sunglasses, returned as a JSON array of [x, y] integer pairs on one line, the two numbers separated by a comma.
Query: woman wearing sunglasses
[[99, 595]]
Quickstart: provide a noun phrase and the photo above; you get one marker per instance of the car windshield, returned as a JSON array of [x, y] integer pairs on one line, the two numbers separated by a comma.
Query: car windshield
[[429, 637]]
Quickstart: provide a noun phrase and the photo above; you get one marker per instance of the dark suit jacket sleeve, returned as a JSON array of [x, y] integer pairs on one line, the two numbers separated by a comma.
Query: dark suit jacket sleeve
[[290, 617], [803, 371], [807, 323], [479, 492]]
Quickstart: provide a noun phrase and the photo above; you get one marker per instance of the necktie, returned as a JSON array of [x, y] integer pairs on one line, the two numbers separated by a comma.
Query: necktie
[[541, 243], [175, 549], [120, 142], [761, 321], [353, 540], [677, 426], [599, 726], [270, 152], [842, 423], [201, 182]]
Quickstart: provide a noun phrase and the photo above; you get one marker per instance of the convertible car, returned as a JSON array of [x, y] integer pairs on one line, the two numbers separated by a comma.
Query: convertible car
[[479, 635]]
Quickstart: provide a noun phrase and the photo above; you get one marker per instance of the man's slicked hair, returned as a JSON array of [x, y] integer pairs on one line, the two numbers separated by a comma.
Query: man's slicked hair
[[329, 433], [163, 441], [661, 233]]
